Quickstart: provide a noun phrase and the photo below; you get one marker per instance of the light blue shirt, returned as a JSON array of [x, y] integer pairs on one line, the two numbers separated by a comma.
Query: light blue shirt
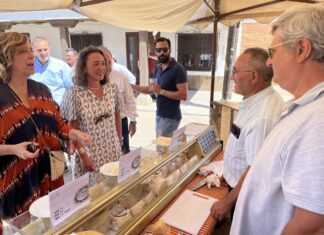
[[56, 75]]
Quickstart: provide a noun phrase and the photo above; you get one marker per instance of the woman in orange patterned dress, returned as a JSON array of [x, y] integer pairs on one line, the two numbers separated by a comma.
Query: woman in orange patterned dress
[[24, 175]]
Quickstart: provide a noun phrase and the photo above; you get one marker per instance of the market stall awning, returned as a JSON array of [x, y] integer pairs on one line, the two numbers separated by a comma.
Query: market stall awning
[[164, 16]]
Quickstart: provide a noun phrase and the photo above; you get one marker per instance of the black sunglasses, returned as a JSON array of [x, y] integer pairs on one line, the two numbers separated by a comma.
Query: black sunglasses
[[164, 49]]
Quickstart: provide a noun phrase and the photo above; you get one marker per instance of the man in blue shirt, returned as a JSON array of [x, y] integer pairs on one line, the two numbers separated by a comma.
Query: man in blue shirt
[[171, 86], [52, 72]]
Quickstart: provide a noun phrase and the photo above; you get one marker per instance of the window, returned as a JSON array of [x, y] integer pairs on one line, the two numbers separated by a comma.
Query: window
[[195, 51], [80, 41]]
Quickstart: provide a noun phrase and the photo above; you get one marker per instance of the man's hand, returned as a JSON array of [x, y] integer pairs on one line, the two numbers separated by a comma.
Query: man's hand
[[154, 87], [132, 128], [220, 209]]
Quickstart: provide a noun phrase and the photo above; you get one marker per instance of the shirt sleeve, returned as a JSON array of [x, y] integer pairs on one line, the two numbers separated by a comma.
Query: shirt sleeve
[[130, 103], [69, 105], [303, 169], [67, 75], [180, 74]]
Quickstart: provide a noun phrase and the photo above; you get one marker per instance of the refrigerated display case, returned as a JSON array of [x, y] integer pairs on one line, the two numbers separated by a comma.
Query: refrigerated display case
[[128, 207]]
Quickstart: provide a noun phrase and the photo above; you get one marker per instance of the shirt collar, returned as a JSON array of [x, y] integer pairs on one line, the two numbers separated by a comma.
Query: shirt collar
[[308, 97], [256, 98], [38, 63]]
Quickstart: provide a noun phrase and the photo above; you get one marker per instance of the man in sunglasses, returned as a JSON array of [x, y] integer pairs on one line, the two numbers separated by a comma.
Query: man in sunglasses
[[171, 86], [258, 114], [284, 190]]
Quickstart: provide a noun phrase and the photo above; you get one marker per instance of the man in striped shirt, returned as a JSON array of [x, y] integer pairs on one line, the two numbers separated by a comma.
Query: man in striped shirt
[[259, 110]]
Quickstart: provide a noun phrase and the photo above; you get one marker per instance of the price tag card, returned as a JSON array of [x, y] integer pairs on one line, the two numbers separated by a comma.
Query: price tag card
[[177, 137], [69, 198], [129, 164]]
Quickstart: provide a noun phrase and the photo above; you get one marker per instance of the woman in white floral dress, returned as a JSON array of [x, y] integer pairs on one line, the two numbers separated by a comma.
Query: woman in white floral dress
[[92, 105]]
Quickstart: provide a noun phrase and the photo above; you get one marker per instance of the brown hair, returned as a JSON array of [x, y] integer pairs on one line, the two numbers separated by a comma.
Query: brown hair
[[9, 42], [80, 77]]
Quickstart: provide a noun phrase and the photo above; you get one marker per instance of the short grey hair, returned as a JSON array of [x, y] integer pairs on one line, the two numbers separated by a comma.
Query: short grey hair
[[70, 49], [303, 21], [258, 61], [39, 39]]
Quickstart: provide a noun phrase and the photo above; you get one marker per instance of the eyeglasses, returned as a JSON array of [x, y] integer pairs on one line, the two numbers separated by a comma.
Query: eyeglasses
[[234, 71], [164, 49], [271, 50]]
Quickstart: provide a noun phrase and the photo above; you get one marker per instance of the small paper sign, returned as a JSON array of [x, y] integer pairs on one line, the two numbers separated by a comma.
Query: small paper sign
[[129, 164], [177, 138], [69, 198]]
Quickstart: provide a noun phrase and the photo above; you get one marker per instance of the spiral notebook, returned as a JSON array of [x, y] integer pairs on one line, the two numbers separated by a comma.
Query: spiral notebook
[[189, 212]]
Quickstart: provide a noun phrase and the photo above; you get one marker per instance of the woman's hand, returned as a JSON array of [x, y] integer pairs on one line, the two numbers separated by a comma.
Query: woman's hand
[[84, 138], [87, 163], [20, 150]]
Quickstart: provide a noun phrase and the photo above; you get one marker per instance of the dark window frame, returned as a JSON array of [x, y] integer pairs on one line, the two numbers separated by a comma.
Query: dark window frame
[[81, 40], [195, 51]]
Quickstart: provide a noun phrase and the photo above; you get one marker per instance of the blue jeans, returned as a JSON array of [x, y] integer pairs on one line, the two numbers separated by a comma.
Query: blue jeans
[[165, 126]]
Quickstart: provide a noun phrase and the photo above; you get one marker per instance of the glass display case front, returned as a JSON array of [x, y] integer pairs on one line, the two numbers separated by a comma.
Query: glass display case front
[[127, 207]]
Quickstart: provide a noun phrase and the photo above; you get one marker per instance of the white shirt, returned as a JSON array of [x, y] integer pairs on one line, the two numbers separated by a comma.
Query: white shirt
[[122, 69], [128, 103], [256, 117], [288, 172]]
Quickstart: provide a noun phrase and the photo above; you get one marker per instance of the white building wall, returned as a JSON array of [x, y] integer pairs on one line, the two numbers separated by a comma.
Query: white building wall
[[115, 39]]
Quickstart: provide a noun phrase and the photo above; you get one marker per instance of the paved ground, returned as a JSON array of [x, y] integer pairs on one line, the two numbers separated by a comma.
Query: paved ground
[[195, 109]]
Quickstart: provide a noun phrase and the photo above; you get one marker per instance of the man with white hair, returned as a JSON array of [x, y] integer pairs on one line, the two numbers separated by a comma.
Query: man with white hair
[[54, 73], [283, 191]]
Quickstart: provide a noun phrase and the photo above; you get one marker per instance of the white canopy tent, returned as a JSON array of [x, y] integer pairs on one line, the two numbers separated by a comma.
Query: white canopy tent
[[164, 16]]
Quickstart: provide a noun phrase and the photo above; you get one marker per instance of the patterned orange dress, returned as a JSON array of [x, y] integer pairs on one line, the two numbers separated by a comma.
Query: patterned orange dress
[[23, 181]]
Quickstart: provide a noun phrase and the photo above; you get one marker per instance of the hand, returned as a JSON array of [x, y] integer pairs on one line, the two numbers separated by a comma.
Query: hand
[[132, 129], [87, 163], [20, 150], [84, 138], [223, 181], [71, 147], [220, 209], [154, 87]]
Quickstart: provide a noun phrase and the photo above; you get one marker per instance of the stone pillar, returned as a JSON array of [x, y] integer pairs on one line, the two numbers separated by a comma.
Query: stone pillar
[[65, 40], [143, 59], [143, 99]]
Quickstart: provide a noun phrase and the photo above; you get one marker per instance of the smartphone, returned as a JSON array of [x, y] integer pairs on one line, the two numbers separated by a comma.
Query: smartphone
[[236, 131]]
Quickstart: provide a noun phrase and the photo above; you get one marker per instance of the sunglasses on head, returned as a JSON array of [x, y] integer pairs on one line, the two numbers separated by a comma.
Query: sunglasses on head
[[164, 49]]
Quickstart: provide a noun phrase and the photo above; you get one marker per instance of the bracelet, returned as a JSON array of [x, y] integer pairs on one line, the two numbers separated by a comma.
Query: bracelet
[[162, 92], [133, 122], [81, 150]]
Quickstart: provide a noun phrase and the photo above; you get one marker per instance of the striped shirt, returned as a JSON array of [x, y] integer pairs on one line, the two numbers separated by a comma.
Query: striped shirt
[[257, 115]]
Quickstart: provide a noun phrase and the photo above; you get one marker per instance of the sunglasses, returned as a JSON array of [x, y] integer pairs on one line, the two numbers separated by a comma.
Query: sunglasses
[[164, 49], [271, 49], [101, 118]]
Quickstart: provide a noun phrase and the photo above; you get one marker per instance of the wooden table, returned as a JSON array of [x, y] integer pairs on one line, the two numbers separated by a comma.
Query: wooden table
[[208, 226]]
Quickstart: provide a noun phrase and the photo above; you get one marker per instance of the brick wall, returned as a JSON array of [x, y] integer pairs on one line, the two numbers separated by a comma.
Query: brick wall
[[256, 35]]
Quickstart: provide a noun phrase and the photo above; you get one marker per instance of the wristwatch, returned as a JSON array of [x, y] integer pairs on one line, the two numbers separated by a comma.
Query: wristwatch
[[162, 92], [133, 122]]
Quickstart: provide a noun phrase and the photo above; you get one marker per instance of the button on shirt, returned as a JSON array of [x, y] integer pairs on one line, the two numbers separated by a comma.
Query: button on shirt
[[288, 172], [128, 103], [56, 75], [256, 117]]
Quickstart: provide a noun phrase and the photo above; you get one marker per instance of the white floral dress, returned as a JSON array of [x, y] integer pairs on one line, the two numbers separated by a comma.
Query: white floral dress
[[96, 117]]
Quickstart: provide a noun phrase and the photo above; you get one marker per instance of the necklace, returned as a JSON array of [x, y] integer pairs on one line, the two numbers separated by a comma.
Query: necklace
[[94, 88]]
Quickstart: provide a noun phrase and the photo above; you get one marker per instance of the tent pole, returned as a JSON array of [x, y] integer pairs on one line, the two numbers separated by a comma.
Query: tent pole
[[213, 64]]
